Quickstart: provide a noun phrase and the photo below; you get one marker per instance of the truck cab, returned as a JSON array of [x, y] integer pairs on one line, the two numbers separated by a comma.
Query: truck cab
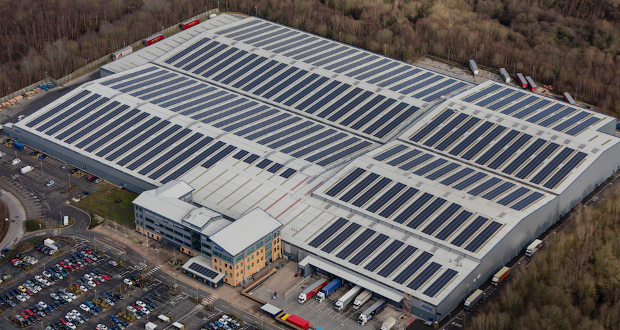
[[532, 248]]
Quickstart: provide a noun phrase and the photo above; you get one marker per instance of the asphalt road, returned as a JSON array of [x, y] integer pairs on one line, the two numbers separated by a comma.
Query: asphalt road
[[17, 216]]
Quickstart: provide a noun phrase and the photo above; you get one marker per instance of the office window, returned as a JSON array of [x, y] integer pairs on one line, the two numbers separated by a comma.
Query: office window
[[250, 250], [259, 245], [261, 258], [248, 259], [136, 207], [237, 274], [149, 227], [237, 266], [137, 215], [252, 257], [248, 267]]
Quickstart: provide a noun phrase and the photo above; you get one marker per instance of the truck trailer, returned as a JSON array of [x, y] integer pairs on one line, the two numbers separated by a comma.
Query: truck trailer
[[569, 98], [500, 276], [473, 67], [532, 248], [531, 85], [371, 311], [328, 289], [298, 321], [362, 298], [310, 291], [18, 145], [348, 298], [504, 74], [26, 169], [521, 80], [473, 300], [123, 52], [388, 323], [153, 39], [188, 24]]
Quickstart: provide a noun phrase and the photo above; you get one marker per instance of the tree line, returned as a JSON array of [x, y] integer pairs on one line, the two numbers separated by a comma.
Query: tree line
[[572, 44]]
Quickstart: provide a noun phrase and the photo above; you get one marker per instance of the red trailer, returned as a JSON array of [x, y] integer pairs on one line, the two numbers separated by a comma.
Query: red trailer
[[531, 85], [153, 39], [298, 321], [568, 98], [189, 24], [521, 80]]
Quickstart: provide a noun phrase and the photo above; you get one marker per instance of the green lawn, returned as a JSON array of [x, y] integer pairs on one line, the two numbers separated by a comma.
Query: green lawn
[[106, 207]]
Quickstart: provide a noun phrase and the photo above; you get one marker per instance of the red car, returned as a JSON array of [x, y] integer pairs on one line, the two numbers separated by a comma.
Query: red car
[[63, 321], [88, 260], [29, 312], [63, 264], [105, 277], [71, 268], [96, 281], [136, 306], [89, 251], [80, 264], [29, 292], [37, 316]]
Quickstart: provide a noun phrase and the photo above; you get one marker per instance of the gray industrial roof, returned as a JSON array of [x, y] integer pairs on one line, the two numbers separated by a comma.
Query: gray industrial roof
[[243, 232]]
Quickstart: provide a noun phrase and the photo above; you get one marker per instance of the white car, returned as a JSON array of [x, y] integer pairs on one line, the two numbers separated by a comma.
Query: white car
[[146, 311], [71, 295], [16, 161], [84, 307], [109, 302], [88, 277], [38, 278], [91, 283], [101, 279], [54, 296], [101, 327], [227, 318], [46, 283], [127, 281], [21, 298], [38, 288], [83, 288], [47, 274], [224, 322], [34, 289], [71, 325], [74, 312], [42, 304], [50, 183], [131, 309], [113, 263], [140, 303]]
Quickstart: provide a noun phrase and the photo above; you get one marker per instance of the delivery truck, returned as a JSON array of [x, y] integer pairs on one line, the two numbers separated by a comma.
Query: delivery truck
[[531, 85], [568, 98], [521, 80], [371, 311], [473, 67], [298, 321], [362, 298], [473, 300], [328, 289], [188, 24], [153, 39], [18, 145], [500, 276], [348, 298], [26, 169], [310, 291], [388, 323], [504, 74], [532, 248], [123, 52]]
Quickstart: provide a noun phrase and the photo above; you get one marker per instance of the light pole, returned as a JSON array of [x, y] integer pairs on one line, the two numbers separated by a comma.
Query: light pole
[[69, 175], [96, 298], [157, 257], [94, 240], [43, 266], [175, 280], [196, 292], [485, 300], [116, 226], [41, 170]]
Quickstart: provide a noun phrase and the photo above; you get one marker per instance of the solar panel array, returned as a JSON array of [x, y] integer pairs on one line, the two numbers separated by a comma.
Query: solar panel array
[[407, 206], [273, 128], [140, 142], [309, 93], [533, 108], [388, 258], [518, 154], [459, 176], [203, 271]]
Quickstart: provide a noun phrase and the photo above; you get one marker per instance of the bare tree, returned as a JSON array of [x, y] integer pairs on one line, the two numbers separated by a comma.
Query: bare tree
[[156, 8]]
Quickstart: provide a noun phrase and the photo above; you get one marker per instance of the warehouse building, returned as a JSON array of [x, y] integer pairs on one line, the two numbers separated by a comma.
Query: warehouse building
[[412, 184]]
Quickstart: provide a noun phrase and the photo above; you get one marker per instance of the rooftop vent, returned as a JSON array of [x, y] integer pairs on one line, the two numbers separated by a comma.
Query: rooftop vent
[[595, 150], [554, 137], [434, 249], [350, 215], [501, 215], [451, 104], [406, 237], [378, 90]]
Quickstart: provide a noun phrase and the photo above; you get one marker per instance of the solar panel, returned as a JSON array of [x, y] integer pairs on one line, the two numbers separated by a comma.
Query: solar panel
[[124, 84], [244, 61], [292, 138], [397, 261], [350, 65], [384, 118], [184, 156], [443, 132], [292, 129], [417, 161], [359, 187], [327, 233], [264, 163], [531, 109], [404, 157], [59, 108], [220, 155], [470, 180], [288, 173], [485, 186], [524, 156], [90, 119], [334, 95], [412, 81], [370, 193], [381, 201], [482, 93], [349, 106], [330, 59], [155, 90], [457, 222], [367, 68], [313, 46], [450, 139], [141, 155], [444, 279], [570, 121], [255, 81], [483, 237], [561, 174], [496, 148], [116, 123], [245, 69], [413, 267], [428, 128], [510, 151], [513, 196], [274, 39], [486, 101], [457, 176], [292, 89], [373, 113], [186, 51], [340, 238], [321, 144], [94, 125], [117, 132], [314, 52], [168, 155], [483, 143], [391, 152], [286, 83], [498, 190], [381, 69], [203, 271], [137, 138], [275, 168], [344, 182], [441, 219], [536, 161], [519, 105], [202, 50], [402, 118], [251, 158], [553, 119], [195, 161], [527, 201], [433, 207], [431, 89], [305, 92], [239, 155], [304, 143], [72, 119], [471, 138], [583, 125], [445, 91], [443, 171], [344, 152], [115, 78], [143, 82], [546, 112], [383, 255], [431, 166], [240, 26], [513, 97], [368, 249], [355, 244], [424, 276], [469, 231], [400, 201], [393, 73]]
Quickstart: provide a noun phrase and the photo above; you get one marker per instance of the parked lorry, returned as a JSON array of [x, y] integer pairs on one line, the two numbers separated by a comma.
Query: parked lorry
[[568, 98], [521, 80], [348, 298], [153, 39], [532, 248], [388, 323], [362, 298], [371, 311], [328, 289], [505, 75], [473, 300], [18, 145], [298, 321], [500, 276], [473, 67], [188, 24], [120, 53], [310, 291], [531, 85], [26, 169]]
